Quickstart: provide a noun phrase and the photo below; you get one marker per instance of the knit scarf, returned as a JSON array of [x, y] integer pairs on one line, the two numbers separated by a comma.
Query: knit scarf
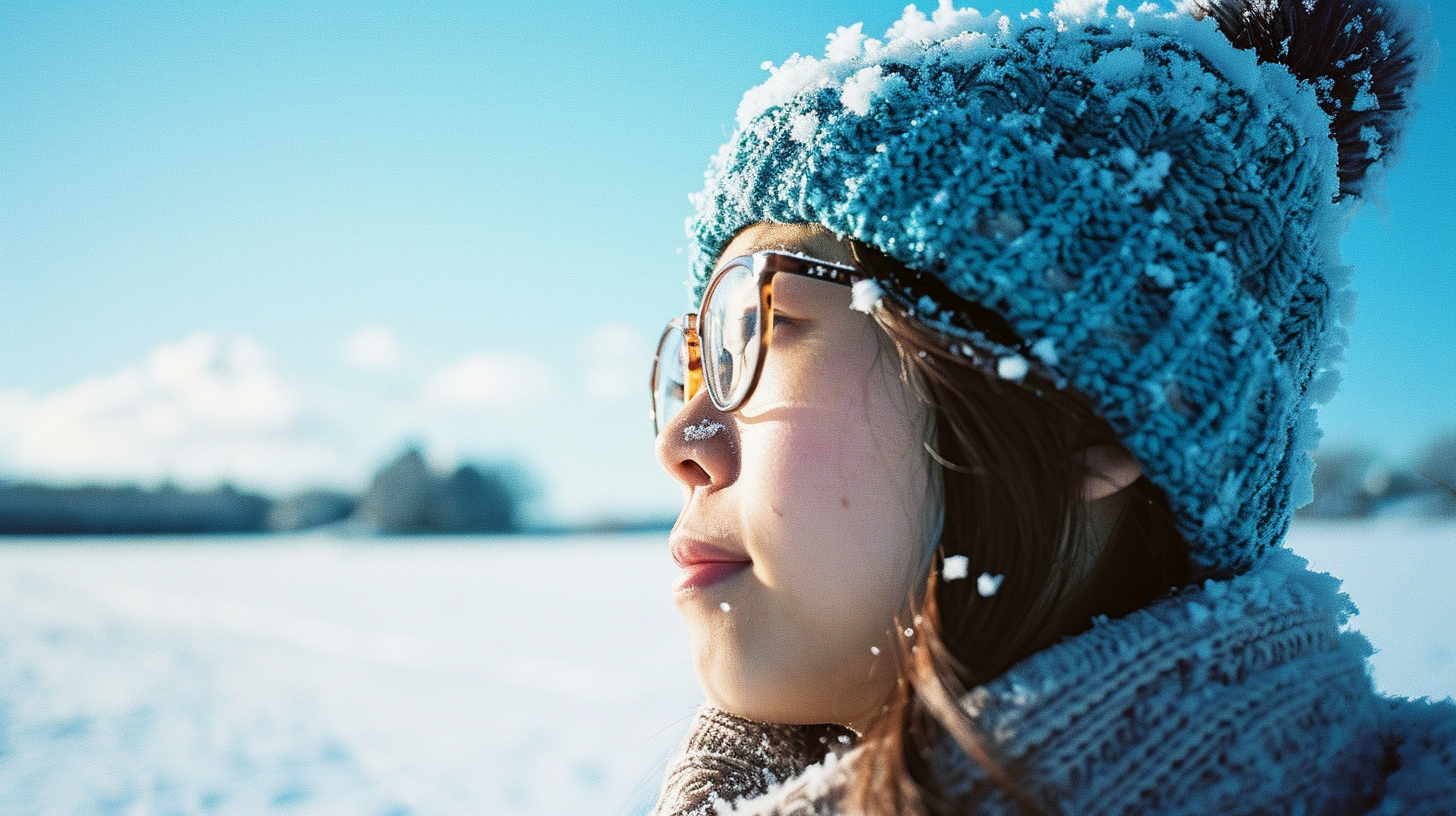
[[1237, 697], [1241, 696]]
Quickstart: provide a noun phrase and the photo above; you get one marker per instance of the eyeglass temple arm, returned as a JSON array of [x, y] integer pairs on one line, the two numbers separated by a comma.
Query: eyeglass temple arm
[[693, 371]]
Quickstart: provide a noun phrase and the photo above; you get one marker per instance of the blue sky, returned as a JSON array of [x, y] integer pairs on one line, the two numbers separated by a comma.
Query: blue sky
[[275, 242]]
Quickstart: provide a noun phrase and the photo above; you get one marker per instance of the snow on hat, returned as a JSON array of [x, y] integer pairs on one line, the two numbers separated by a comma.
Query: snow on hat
[[1153, 208]]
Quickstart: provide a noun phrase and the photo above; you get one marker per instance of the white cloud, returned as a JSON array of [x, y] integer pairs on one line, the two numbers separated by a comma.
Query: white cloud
[[372, 348], [618, 362], [489, 380], [197, 411]]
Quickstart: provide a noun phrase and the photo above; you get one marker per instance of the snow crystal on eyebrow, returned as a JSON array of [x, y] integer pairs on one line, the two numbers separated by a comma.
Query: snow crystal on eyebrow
[[955, 568], [702, 430], [988, 584], [865, 295]]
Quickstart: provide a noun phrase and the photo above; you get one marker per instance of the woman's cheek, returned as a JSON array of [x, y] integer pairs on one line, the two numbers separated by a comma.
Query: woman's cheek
[[798, 486], [823, 546]]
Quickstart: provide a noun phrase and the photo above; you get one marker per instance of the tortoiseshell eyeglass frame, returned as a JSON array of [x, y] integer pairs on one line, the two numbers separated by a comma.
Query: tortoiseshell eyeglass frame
[[764, 265]]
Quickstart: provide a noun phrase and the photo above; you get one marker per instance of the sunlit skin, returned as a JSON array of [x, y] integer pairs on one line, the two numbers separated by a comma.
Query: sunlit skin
[[822, 482]]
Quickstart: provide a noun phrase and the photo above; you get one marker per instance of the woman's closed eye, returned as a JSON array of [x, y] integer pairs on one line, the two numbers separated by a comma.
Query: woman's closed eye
[[783, 322]]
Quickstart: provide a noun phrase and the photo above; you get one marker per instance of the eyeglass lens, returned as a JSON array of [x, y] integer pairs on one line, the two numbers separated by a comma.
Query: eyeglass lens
[[668, 389], [730, 340], [729, 330]]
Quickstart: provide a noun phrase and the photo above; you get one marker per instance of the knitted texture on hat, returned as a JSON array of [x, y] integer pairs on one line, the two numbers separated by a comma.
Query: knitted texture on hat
[[1150, 208]]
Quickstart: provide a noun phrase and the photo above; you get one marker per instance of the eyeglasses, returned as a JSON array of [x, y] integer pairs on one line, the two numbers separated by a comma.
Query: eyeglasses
[[724, 344]]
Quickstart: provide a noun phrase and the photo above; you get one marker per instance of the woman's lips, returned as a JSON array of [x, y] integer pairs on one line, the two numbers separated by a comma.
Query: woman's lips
[[704, 565], [706, 573]]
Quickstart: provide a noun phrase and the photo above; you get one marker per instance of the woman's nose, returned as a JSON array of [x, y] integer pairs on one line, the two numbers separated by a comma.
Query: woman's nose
[[699, 447]]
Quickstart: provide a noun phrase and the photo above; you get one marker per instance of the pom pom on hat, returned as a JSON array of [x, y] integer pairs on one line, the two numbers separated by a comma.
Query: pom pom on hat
[[1151, 210], [1359, 55]]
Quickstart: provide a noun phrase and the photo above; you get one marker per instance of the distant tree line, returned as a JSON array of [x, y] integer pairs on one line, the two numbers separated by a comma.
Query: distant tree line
[[34, 509], [408, 497], [1358, 483], [405, 497]]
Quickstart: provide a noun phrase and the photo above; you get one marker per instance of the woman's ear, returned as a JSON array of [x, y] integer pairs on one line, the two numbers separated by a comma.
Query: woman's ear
[[1107, 469]]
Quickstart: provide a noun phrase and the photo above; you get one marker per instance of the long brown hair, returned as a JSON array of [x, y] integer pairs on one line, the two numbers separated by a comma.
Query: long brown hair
[[1012, 475]]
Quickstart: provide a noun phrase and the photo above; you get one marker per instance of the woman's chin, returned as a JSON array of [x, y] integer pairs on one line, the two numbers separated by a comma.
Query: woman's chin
[[801, 701]]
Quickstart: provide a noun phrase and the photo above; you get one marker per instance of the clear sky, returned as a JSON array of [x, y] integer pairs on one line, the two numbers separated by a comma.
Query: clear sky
[[273, 243]]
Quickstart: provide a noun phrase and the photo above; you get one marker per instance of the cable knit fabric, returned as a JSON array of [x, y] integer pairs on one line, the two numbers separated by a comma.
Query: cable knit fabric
[[1240, 696], [1149, 207], [742, 757]]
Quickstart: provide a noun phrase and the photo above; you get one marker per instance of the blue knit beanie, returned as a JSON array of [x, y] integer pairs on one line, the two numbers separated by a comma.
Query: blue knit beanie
[[1151, 201]]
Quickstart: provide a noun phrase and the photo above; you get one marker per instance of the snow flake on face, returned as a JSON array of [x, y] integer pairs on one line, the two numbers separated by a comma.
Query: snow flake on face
[[955, 568], [702, 430], [865, 295], [988, 584], [725, 606], [874, 650]]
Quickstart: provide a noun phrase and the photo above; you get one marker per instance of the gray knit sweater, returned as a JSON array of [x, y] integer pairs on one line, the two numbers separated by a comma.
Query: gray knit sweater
[[1242, 696]]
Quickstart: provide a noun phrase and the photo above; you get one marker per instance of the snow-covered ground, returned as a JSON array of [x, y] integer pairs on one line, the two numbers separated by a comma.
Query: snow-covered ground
[[1401, 573], [313, 675], [435, 676]]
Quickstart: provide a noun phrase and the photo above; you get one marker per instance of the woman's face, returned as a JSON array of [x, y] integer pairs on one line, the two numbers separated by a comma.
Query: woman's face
[[808, 513]]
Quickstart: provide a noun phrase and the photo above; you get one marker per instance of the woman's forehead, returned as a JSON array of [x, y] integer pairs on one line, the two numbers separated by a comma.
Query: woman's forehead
[[806, 239]]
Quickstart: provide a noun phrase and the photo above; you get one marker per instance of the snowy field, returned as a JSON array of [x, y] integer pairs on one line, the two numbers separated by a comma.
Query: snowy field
[[436, 676]]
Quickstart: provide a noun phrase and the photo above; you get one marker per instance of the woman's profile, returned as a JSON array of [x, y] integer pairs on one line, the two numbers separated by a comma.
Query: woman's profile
[[995, 408]]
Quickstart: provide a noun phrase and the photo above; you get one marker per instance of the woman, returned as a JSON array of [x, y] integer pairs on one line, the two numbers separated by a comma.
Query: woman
[[995, 411]]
